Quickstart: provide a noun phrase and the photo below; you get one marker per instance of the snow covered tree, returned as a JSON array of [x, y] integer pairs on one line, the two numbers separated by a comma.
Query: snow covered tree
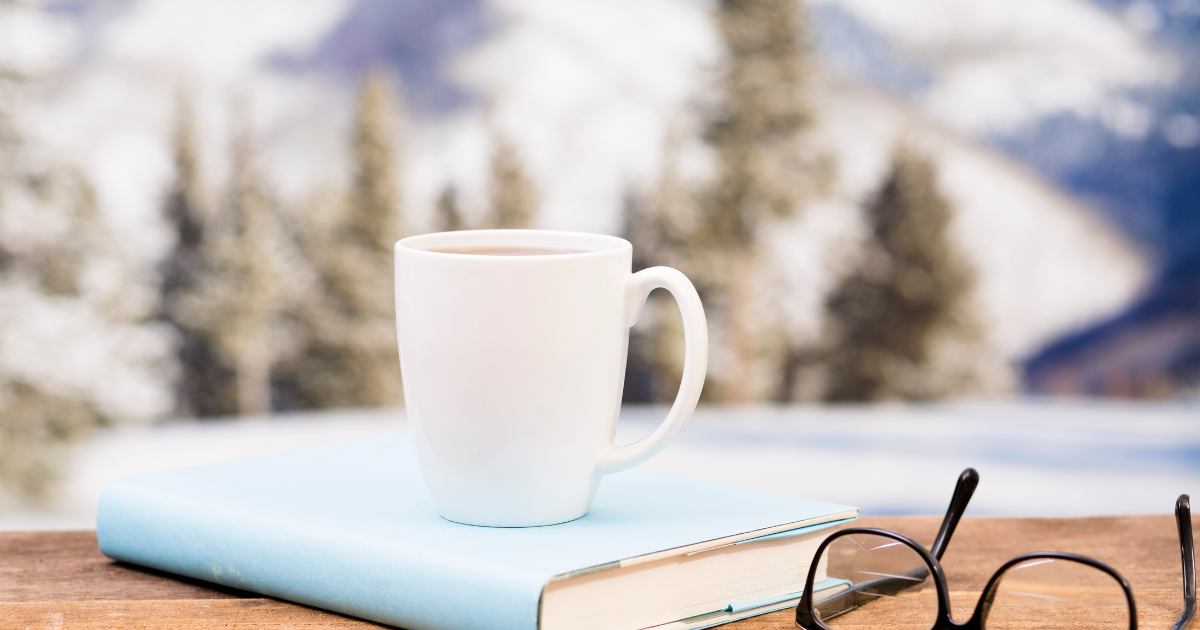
[[756, 129], [373, 213], [38, 423], [349, 355], [659, 224], [654, 366], [75, 351], [205, 385], [45, 273], [513, 200], [889, 319], [236, 302]]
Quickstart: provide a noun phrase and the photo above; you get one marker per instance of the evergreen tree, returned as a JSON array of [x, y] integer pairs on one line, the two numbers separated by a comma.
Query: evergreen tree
[[63, 285], [514, 202], [641, 371], [37, 419], [236, 302], [373, 222], [654, 366], [756, 130], [910, 293], [449, 216], [349, 355], [205, 386], [57, 265], [659, 228], [247, 336], [37, 425]]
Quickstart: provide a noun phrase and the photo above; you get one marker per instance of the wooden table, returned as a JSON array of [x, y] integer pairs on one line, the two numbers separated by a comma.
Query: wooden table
[[60, 580]]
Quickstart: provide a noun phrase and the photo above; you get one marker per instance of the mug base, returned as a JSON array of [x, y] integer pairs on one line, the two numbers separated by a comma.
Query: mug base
[[510, 523]]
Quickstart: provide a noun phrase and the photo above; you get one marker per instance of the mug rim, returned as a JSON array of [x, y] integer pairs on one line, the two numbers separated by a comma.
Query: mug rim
[[593, 244]]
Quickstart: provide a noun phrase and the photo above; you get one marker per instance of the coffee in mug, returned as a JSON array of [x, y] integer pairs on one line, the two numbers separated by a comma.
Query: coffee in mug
[[513, 347], [508, 251]]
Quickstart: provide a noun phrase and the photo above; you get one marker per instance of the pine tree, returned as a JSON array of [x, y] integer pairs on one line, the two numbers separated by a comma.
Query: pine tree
[[655, 225], [38, 420], [247, 336], [764, 171], [205, 386], [58, 265], [373, 212], [513, 200], [37, 425], [449, 216], [12, 82], [237, 301], [349, 355], [641, 369], [755, 129], [910, 293], [59, 270]]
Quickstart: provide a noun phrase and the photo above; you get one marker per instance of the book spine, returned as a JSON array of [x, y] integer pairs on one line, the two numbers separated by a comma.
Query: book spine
[[381, 577]]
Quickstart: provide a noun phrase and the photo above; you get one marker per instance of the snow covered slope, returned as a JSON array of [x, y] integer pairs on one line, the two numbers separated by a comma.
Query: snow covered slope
[[1046, 263], [994, 67], [1109, 459]]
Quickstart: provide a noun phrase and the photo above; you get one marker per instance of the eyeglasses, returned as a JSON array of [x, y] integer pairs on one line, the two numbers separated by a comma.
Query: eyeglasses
[[865, 577]]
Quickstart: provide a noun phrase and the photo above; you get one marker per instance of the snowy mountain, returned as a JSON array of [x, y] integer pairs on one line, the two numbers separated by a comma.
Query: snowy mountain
[[592, 90], [1046, 262], [1123, 134]]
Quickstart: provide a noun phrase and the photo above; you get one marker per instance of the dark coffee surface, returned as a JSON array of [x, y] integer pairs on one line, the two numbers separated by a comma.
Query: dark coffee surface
[[507, 251]]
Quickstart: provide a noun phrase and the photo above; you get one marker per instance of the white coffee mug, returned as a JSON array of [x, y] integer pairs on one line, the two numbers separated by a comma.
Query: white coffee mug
[[513, 367]]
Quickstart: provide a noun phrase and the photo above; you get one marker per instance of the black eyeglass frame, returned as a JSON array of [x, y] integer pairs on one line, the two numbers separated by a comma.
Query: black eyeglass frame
[[967, 482], [807, 619]]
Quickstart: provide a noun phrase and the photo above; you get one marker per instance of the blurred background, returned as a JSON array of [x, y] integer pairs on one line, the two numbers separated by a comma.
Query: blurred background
[[927, 233]]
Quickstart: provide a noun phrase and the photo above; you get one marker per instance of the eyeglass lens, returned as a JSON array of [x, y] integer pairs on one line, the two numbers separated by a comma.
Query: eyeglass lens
[[1057, 594], [868, 581]]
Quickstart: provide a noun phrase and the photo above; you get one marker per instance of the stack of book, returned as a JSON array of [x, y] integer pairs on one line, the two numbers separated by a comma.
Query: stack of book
[[350, 528]]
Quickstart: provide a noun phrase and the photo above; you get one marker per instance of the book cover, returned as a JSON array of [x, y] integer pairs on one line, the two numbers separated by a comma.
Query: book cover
[[349, 528]]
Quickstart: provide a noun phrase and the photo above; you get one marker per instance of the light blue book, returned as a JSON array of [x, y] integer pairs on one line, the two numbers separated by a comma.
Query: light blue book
[[350, 528]]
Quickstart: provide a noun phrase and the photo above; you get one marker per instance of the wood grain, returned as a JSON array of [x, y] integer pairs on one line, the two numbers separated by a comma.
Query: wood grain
[[68, 566], [60, 580], [1157, 610], [1145, 549], [178, 613]]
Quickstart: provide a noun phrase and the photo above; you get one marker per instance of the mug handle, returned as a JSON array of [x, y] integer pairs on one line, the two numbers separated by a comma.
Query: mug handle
[[695, 362]]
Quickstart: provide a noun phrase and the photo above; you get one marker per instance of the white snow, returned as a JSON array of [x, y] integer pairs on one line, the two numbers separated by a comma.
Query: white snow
[[1002, 65], [66, 346], [114, 112], [222, 41], [587, 89], [1034, 458], [33, 42], [1182, 131]]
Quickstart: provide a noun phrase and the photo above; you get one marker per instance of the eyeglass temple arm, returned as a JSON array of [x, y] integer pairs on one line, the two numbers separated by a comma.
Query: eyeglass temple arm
[[1183, 519], [967, 482]]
